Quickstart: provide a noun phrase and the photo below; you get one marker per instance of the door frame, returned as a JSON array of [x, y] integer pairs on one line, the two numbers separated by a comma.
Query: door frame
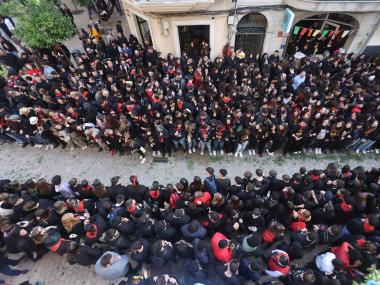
[[262, 42], [209, 23], [137, 27]]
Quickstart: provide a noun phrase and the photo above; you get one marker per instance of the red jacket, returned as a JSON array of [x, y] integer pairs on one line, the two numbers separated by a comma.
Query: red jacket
[[221, 254], [341, 253], [273, 263], [204, 200]]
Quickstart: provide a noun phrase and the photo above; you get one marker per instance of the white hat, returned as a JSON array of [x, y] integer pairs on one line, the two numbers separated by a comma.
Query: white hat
[[33, 120]]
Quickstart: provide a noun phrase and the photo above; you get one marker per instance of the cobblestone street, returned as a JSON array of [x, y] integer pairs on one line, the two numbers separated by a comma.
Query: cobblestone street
[[22, 163]]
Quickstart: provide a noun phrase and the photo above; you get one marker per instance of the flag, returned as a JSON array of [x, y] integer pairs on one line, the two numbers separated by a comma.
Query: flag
[[304, 30], [296, 30], [345, 33], [331, 34], [324, 33], [316, 32], [310, 32], [336, 33]]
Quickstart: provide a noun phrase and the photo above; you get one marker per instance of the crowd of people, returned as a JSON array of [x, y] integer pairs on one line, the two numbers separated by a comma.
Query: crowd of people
[[315, 227], [123, 97]]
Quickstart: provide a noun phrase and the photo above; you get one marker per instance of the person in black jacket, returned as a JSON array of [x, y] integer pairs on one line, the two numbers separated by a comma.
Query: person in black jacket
[[165, 231], [140, 251], [222, 182], [84, 255]]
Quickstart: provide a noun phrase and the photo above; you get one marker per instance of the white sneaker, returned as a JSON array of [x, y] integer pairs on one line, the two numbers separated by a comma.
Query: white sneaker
[[143, 160], [141, 157], [210, 153], [377, 151], [236, 154], [214, 152], [190, 151], [269, 153], [253, 152], [84, 147], [72, 148], [159, 153], [357, 151], [241, 154], [202, 153], [221, 152], [194, 150], [364, 151], [250, 152], [154, 153]]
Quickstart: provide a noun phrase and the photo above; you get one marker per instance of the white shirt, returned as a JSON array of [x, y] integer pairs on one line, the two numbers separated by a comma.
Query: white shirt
[[324, 262]]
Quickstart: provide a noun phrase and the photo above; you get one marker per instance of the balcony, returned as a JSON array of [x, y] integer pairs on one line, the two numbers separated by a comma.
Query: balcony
[[335, 5], [167, 6]]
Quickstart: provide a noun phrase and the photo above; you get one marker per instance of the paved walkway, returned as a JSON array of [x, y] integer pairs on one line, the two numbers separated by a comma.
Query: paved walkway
[[23, 163], [82, 20]]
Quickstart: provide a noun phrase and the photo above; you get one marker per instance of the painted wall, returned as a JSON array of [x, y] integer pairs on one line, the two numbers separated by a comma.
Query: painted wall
[[166, 41], [375, 39]]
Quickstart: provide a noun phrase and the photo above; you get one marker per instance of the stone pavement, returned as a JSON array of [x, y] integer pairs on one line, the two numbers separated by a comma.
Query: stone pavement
[[23, 163], [82, 20], [53, 269]]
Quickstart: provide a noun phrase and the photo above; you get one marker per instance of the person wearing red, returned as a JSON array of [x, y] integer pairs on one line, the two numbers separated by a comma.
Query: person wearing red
[[278, 264], [222, 247]]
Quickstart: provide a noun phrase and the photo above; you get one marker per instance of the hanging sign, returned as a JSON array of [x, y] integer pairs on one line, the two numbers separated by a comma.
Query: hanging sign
[[287, 20]]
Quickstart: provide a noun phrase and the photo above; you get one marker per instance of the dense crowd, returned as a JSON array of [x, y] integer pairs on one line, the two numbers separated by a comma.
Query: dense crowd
[[123, 97], [315, 227]]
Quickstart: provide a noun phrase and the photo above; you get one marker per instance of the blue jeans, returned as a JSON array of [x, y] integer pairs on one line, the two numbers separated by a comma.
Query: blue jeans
[[17, 137], [190, 144], [354, 144], [181, 142], [205, 144], [364, 146], [38, 139], [218, 145], [241, 146]]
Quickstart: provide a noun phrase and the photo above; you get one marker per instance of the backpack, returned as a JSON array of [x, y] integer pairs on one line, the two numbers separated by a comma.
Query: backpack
[[211, 184]]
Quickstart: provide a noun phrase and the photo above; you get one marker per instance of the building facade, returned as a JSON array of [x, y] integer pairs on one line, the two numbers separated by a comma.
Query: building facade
[[203, 27]]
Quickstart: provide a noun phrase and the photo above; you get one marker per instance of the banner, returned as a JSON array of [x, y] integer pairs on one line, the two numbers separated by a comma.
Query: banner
[[296, 29], [324, 33], [303, 31], [345, 33], [316, 32], [309, 32]]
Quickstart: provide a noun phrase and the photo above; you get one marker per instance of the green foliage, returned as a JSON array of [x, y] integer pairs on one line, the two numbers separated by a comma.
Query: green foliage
[[372, 278], [40, 23]]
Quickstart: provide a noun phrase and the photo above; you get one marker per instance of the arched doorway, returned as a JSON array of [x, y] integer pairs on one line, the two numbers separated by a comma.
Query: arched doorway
[[318, 33], [251, 33]]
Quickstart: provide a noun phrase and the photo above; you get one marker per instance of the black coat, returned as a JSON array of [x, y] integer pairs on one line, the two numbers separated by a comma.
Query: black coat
[[87, 255]]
